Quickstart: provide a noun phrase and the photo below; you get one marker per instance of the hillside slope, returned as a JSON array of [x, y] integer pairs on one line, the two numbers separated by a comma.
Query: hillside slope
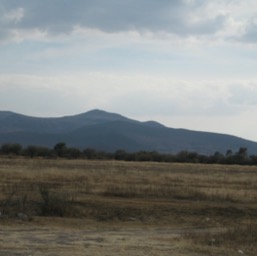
[[109, 131]]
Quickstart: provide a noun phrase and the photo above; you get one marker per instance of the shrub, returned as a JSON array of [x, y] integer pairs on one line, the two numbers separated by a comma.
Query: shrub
[[56, 204]]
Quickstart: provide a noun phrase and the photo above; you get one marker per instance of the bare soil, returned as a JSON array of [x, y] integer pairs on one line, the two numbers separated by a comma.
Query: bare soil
[[60, 207], [77, 237]]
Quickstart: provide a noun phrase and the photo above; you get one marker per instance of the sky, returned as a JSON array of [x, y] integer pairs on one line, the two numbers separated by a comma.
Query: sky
[[184, 63]]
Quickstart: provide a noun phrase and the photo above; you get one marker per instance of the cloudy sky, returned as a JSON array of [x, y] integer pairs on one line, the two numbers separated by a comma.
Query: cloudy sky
[[184, 63]]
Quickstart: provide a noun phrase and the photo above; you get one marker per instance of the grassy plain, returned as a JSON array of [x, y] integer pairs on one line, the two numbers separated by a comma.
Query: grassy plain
[[79, 207]]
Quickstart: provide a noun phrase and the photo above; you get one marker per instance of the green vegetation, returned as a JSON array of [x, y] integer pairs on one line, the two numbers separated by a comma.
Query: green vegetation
[[60, 150]]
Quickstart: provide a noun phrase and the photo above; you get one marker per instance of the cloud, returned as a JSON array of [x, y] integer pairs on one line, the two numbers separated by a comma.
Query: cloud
[[12, 16], [218, 106], [250, 33], [185, 59], [130, 93], [244, 95], [216, 20], [180, 17]]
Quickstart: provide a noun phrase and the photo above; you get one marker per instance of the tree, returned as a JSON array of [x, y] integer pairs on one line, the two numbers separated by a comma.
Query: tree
[[217, 158], [229, 153], [90, 153], [11, 149], [60, 149], [241, 157], [120, 154], [31, 151], [73, 153], [36, 151]]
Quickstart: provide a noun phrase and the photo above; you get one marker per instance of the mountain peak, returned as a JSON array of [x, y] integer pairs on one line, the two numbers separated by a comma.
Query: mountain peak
[[110, 131], [154, 124], [98, 114]]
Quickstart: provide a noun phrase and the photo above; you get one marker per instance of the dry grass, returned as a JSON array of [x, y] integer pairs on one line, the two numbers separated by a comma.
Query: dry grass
[[240, 240], [194, 198]]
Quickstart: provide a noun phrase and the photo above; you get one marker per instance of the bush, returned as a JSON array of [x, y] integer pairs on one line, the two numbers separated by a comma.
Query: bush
[[56, 204]]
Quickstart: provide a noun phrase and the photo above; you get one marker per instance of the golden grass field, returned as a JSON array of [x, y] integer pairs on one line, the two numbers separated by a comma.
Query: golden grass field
[[79, 207]]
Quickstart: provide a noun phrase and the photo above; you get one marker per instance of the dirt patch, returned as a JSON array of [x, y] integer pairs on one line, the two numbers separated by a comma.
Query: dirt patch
[[88, 239], [60, 207]]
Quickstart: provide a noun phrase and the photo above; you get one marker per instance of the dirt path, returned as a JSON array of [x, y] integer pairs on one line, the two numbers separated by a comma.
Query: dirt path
[[39, 240]]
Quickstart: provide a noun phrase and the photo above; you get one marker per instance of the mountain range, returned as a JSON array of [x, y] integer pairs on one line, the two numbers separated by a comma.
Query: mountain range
[[106, 131]]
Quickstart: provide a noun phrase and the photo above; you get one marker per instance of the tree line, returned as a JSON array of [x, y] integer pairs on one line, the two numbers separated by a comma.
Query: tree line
[[60, 150]]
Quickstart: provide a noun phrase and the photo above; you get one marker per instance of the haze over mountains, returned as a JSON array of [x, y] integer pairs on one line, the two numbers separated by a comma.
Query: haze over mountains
[[109, 132]]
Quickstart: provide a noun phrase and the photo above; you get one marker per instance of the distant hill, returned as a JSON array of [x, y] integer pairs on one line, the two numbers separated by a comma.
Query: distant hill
[[109, 132]]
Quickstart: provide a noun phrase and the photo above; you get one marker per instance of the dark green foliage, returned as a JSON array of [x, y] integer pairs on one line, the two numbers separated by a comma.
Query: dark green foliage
[[31, 151], [35, 151], [120, 154], [11, 149], [61, 150], [73, 153], [90, 153]]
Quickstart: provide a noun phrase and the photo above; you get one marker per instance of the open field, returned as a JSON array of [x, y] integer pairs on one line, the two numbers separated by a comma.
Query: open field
[[76, 207]]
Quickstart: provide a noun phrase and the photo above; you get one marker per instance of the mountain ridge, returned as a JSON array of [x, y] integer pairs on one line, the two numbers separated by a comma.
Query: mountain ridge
[[110, 131]]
